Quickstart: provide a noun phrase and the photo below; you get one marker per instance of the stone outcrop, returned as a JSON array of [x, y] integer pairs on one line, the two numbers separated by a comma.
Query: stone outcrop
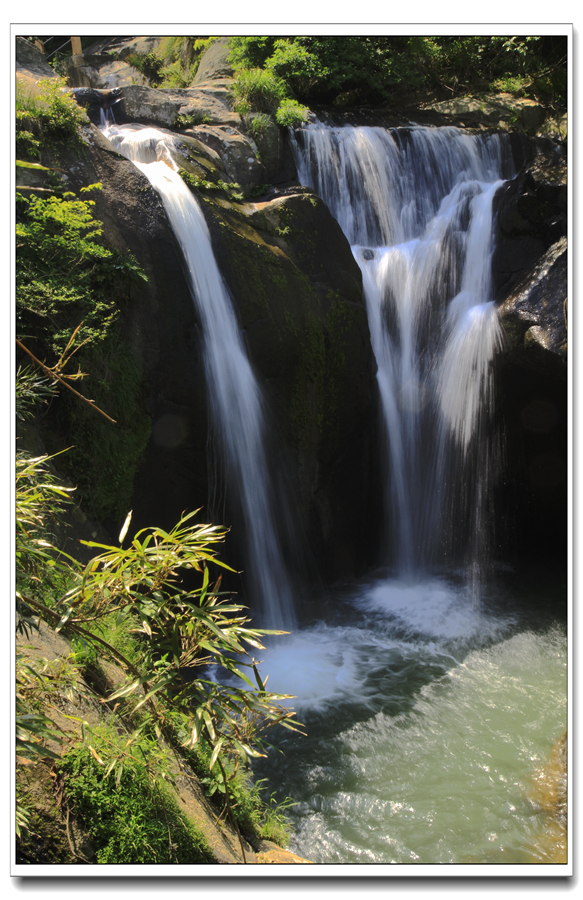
[[31, 65], [531, 217], [502, 111], [535, 313], [530, 283], [214, 65]]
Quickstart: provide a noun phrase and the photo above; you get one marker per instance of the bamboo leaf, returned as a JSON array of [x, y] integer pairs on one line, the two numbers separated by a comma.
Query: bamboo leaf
[[125, 527], [216, 751], [96, 755], [209, 724]]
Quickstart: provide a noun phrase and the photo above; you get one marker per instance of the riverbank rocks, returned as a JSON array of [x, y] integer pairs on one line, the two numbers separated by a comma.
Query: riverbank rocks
[[503, 111]]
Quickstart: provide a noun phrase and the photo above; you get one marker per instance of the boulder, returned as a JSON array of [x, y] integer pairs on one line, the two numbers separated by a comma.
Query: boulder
[[531, 217], [535, 313], [203, 106], [30, 60], [492, 111], [237, 153], [103, 72], [214, 64], [147, 106], [31, 65]]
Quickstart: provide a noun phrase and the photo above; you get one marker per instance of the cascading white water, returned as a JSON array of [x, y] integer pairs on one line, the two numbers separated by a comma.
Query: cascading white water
[[416, 206], [427, 716], [235, 395], [431, 699]]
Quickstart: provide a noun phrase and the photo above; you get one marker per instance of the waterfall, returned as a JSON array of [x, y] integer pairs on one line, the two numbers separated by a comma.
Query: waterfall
[[416, 206], [235, 396]]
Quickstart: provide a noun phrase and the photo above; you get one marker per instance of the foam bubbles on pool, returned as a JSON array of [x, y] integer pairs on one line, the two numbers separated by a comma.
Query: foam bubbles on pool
[[435, 609], [318, 666]]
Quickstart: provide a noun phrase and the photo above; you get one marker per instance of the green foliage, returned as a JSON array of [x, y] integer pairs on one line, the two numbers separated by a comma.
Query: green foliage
[[68, 282], [182, 629], [196, 183], [149, 608], [183, 121], [149, 64], [39, 501], [133, 820], [291, 114], [258, 89], [372, 69], [250, 52], [180, 58], [48, 115], [64, 274], [259, 125]]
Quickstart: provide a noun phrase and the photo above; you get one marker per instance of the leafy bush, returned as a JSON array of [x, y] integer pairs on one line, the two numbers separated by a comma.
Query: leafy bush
[[291, 114], [180, 57], [259, 125], [149, 64], [258, 89], [64, 274], [375, 69], [49, 113], [132, 606], [297, 66]]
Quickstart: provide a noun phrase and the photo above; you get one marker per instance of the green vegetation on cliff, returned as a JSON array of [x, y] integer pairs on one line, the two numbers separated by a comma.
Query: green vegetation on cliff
[[69, 282], [348, 70]]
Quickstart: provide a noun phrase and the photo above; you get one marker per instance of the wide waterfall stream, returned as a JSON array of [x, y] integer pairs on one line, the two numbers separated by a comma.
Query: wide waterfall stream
[[433, 692]]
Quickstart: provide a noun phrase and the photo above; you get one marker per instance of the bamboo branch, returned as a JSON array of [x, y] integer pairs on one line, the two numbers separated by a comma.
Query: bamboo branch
[[54, 375]]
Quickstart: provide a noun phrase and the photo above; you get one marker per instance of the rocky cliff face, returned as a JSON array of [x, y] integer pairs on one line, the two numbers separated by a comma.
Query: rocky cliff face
[[530, 279]]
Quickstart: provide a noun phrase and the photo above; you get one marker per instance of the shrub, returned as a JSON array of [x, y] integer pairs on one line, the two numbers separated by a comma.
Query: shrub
[[258, 89], [51, 112], [291, 114]]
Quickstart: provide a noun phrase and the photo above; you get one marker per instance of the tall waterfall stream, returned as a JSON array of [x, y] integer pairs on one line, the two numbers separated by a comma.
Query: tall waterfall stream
[[432, 692], [235, 396]]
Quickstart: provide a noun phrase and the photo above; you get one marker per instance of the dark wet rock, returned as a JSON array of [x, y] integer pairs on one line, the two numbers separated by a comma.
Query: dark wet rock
[[298, 291], [531, 217], [536, 311], [298, 296], [94, 100]]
